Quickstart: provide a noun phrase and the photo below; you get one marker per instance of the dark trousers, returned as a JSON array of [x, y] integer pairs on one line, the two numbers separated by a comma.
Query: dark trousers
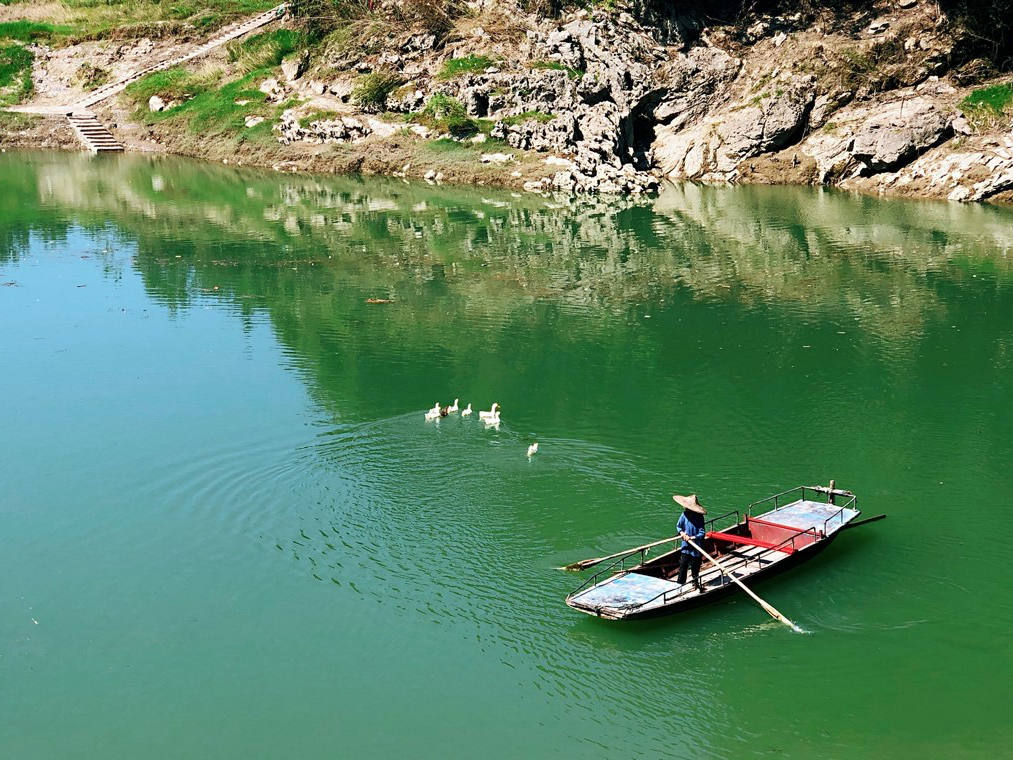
[[687, 560]]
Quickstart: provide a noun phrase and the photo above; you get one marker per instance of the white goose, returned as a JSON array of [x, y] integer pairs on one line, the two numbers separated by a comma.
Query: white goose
[[532, 449], [453, 407], [434, 413], [492, 416], [466, 411]]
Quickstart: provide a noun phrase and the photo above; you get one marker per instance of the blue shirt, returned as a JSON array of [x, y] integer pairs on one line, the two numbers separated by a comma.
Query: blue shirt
[[691, 523]]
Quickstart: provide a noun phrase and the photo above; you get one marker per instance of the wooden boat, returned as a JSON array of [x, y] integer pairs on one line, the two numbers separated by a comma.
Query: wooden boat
[[774, 535]]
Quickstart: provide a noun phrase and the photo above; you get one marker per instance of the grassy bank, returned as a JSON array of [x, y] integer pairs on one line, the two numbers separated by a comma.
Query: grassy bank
[[79, 20], [206, 106], [15, 73]]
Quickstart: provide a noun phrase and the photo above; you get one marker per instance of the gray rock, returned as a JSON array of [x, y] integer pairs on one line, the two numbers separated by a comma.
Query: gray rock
[[273, 89], [898, 133], [294, 67], [496, 158], [689, 83], [961, 126], [714, 147], [342, 89], [156, 104]]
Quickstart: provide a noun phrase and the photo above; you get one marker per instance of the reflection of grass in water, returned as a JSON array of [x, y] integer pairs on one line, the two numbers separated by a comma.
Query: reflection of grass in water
[[494, 246]]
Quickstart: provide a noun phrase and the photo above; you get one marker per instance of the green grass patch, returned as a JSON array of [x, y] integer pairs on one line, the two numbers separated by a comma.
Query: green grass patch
[[209, 108], [557, 66], [987, 106], [132, 19], [320, 115], [15, 74], [17, 122], [371, 90], [521, 118], [170, 84], [30, 31], [265, 49], [446, 114], [447, 146], [469, 64]]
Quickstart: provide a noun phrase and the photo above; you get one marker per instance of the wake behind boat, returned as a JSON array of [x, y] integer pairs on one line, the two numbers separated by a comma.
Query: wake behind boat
[[774, 534]]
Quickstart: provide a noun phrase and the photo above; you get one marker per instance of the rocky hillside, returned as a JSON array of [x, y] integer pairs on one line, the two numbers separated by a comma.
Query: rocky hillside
[[906, 97]]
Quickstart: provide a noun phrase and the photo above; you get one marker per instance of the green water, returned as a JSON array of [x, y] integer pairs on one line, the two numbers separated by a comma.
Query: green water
[[227, 530]]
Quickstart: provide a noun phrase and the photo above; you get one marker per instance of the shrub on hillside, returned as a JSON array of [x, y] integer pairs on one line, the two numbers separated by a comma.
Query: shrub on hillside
[[446, 114], [372, 90]]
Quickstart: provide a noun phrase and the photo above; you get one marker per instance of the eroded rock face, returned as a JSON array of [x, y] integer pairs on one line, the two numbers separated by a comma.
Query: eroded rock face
[[558, 134], [712, 149], [620, 97], [336, 130], [898, 133], [690, 83]]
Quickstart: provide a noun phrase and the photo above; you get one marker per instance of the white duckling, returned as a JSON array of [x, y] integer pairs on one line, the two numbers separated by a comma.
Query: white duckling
[[434, 413], [492, 416], [466, 412], [453, 407], [532, 449]]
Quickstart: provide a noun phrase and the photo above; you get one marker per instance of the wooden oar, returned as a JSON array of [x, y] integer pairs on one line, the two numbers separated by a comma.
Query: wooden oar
[[584, 564], [769, 609]]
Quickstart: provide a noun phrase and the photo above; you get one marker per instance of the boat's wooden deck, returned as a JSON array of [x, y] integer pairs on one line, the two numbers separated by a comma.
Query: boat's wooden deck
[[616, 597]]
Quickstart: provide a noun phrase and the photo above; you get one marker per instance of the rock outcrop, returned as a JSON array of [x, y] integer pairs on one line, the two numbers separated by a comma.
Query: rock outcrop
[[898, 133], [713, 148]]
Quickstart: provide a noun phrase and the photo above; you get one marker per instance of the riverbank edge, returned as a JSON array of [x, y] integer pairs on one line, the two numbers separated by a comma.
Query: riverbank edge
[[402, 158]]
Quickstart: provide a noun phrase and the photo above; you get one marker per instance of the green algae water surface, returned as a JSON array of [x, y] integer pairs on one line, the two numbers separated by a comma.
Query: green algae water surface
[[228, 532]]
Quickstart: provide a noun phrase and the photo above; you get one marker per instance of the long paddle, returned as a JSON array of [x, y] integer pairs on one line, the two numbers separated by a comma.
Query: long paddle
[[584, 564], [769, 609]]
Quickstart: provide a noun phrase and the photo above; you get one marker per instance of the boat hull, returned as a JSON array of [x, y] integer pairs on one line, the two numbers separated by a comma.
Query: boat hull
[[715, 594]]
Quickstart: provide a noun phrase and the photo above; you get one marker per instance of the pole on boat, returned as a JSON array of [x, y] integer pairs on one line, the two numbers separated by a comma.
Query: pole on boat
[[768, 608], [584, 564]]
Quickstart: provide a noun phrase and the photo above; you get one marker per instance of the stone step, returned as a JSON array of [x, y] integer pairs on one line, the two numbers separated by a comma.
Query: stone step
[[93, 134]]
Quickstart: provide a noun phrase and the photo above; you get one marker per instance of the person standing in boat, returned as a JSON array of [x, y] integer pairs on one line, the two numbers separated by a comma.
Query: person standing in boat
[[690, 524]]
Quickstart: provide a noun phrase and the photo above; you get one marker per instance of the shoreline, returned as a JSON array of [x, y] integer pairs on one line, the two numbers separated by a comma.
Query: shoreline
[[588, 102], [50, 133]]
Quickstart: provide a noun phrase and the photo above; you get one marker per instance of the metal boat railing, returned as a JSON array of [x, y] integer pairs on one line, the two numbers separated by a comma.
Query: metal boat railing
[[621, 562], [778, 500]]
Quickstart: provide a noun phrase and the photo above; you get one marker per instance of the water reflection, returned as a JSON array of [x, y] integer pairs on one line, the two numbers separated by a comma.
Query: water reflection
[[736, 339]]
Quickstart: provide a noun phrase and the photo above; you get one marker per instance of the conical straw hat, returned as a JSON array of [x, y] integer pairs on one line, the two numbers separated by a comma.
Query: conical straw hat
[[689, 502]]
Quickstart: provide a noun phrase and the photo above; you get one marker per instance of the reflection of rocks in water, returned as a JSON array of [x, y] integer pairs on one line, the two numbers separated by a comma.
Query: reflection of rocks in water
[[863, 257]]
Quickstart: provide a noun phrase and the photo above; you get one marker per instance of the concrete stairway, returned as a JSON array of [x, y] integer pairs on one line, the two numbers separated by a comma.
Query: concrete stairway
[[226, 35], [95, 137]]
